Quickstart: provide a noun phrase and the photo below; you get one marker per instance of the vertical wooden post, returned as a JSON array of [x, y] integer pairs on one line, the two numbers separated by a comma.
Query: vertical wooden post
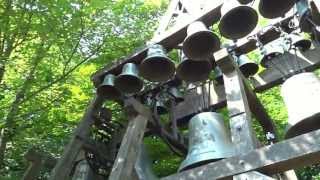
[[129, 149], [34, 169], [242, 133], [63, 168]]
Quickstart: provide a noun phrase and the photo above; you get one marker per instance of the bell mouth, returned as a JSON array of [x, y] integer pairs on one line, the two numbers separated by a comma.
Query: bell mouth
[[157, 69], [128, 84], [304, 126], [194, 71], [243, 26], [272, 8], [249, 69], [303, 44], [109, 92], [200, 45]]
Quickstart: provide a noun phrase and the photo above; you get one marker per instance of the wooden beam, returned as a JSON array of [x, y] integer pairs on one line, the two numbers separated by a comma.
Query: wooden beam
[[128, 152], [168, 39], [293, 153], [63, 168]]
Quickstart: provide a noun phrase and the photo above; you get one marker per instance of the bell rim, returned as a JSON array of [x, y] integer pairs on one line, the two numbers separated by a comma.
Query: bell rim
[[303, 44], [193, 163], [274, 15], [300, 127], [249, 11], [249, 71], [182, 70], [112, 94], [188, 39], [144, 69], [132, 89]]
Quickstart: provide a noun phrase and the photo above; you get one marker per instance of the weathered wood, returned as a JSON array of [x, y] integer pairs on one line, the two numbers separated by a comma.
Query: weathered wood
[[63, 168], [168, 39], [290, 154], [127, 155], [252, 176], [309, 61]]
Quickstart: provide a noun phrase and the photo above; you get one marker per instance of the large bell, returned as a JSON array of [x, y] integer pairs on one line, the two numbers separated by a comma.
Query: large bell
[[304, 15], [275, 8], [300, 42], [128, 82], [271, 51], [301, 94], [157, 67], [208, 141], [200, 43], [107, 89], [237, 20], [193, 71], [218, 75], [246, 66]]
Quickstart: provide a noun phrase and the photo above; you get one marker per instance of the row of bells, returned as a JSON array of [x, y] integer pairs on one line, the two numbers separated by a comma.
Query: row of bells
[[158, 67]]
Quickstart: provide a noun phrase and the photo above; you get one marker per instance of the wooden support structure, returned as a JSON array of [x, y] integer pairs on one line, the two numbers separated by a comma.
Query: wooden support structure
[[64, 166], [290, 154]]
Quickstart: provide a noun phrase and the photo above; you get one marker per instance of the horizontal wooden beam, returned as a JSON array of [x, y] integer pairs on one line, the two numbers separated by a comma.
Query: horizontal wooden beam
[[290, 154], [168, 39]]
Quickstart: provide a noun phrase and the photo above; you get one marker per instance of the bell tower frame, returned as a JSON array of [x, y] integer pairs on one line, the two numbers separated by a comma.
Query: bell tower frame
[[252, 161]]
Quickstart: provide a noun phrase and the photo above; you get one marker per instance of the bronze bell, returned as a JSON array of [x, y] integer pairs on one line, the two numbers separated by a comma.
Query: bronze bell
[[304, 14], [107, 89], [174, 92], [193, 71], [274, 8], [301, 96], [218, 75], [271, 51], [157, 67], [246, 66], [128, 82], [300, 42], [200, 43], [209, 141], [237, 20]]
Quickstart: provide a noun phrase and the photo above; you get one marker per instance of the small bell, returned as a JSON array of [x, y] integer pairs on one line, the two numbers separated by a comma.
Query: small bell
[[193, 71], [174, 92], [300, 42], [246, 66], [200, 43], [274, 8], [237, 20], [270, 51], [218, 75], [128, 82], [301, 94], [107, 89], [157, 67], [209, 141], [304, 15]]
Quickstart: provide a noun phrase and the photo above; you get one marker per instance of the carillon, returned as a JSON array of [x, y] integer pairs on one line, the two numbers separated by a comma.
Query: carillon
[[299, 42], [269, 52], [301, 94], [237, 20], [209, 141], [200, 43], [157, 66], [193, 71], [274, 8], [128, 82], [246, 66], [107, 89]]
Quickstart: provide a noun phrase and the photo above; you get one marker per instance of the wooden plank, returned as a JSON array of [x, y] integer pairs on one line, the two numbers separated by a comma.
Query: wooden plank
[[64, 165], [252, 175], [309, 61], [289, 154], [169, 40], [128, 152]]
